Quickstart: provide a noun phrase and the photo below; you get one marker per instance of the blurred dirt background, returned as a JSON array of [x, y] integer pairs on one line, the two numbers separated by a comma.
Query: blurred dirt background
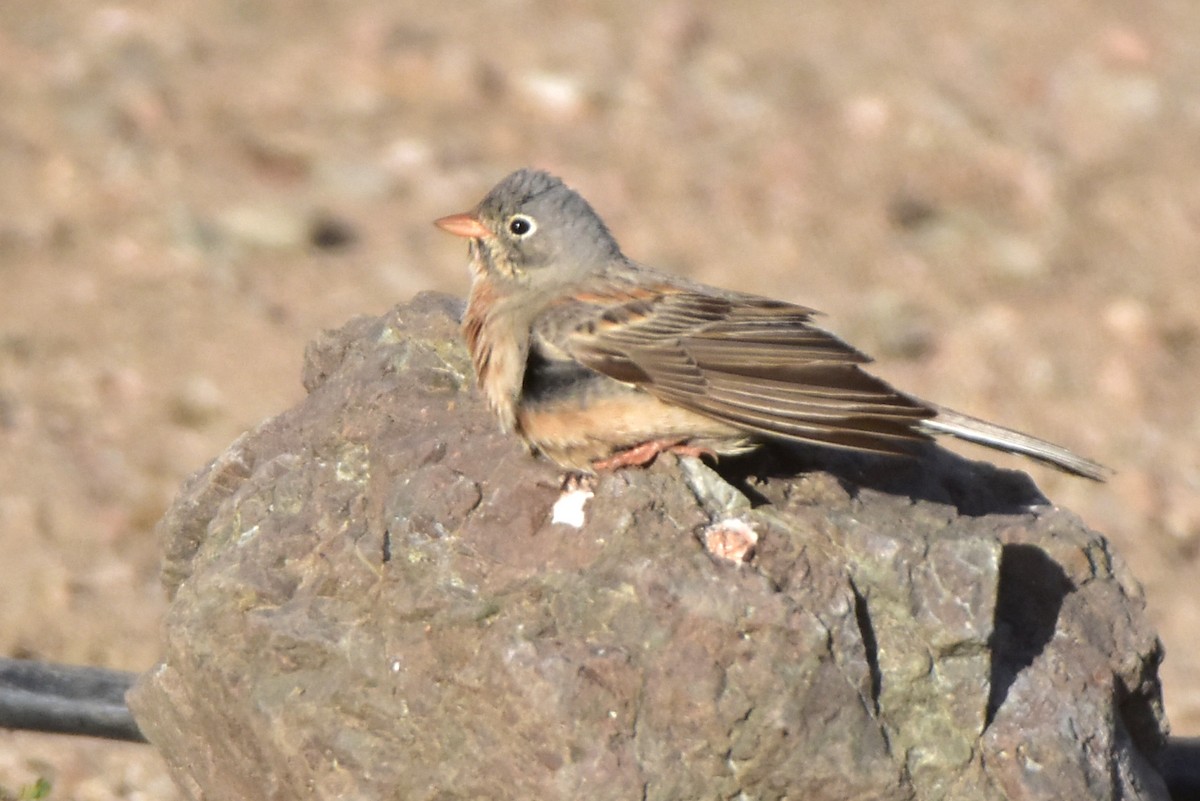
[[1001, 202]]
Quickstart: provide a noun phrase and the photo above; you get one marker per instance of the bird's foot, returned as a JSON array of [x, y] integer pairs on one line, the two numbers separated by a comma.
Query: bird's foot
[[577, 482], [643, 454]]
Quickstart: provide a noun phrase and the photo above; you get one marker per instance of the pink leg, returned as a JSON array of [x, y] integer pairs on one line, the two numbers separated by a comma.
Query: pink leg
[[643, 454], [683, 449]]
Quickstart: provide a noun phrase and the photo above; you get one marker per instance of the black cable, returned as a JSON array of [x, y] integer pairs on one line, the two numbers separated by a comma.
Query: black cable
[[1180, 765], [66, 699]]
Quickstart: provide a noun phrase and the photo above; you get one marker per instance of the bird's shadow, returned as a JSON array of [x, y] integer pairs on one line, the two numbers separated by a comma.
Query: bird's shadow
[[931, 473]]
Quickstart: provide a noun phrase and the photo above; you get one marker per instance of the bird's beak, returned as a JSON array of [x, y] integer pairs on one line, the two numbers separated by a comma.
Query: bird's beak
[[466, 225]]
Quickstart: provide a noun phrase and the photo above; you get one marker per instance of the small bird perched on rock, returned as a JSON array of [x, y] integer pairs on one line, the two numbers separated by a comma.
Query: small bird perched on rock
[[599, 362]]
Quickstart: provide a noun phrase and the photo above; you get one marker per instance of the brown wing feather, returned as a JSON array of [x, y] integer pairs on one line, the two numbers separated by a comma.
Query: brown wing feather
[[755, 363]]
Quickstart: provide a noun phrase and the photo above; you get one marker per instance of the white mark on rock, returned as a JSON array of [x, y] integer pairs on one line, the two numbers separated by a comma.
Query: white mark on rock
[[568, 509]]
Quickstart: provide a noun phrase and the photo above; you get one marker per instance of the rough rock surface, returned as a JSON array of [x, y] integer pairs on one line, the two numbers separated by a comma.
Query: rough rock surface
[[369, 600]]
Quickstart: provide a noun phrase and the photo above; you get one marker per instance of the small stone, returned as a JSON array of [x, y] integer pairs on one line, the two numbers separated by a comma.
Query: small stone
[[559, 95], [1129, 319], [197, 403], [732, 540], [1014, 256], [264, 225], [327, 232], [867, 116]]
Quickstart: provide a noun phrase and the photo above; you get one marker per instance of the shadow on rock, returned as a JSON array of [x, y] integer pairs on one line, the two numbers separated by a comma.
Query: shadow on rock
[[932, 474]]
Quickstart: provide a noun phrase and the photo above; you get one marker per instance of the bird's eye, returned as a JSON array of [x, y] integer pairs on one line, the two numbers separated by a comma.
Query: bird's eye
[[521, 226]]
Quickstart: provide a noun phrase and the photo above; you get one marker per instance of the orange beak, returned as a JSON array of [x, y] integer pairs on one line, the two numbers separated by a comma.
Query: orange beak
[[466, 225]]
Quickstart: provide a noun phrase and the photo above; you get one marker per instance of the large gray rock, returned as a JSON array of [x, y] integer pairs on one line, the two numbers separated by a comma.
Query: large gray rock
[[369, 600]]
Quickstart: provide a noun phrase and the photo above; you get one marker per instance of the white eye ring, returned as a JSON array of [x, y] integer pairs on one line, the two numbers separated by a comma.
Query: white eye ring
[[521, 225]]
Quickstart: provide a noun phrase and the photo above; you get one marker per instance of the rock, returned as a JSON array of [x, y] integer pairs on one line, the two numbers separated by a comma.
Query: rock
[[369, 600]]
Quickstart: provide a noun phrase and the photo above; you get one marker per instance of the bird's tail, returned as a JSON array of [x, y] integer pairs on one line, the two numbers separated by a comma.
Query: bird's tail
[[972, 429]]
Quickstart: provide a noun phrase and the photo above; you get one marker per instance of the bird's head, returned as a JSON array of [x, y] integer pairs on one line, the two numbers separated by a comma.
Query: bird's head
[[535, 230]]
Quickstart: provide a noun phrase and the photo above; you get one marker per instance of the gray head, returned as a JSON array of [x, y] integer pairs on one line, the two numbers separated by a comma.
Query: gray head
[[533, 228]]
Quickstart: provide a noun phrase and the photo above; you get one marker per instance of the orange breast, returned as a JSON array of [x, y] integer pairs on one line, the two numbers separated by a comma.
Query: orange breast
[[497, 350]]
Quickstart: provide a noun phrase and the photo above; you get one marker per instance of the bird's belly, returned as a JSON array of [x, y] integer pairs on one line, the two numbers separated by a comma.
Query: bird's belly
[[609, 417]]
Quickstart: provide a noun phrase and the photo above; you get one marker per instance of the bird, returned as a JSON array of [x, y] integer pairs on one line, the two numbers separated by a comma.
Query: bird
[[599, 362]]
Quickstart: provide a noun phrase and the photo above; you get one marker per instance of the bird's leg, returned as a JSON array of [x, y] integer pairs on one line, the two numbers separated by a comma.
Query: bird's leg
[[683, 449], [643, 454], [637, 456]]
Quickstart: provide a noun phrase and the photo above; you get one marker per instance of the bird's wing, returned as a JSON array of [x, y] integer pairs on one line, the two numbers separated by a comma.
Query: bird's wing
[[757, 364]]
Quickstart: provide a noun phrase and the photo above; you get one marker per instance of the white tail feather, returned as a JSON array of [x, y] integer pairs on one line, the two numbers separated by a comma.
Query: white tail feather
[[972, 429]]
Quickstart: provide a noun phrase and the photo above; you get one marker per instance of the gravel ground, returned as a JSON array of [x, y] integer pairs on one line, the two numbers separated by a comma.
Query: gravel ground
[[1002, 203]]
